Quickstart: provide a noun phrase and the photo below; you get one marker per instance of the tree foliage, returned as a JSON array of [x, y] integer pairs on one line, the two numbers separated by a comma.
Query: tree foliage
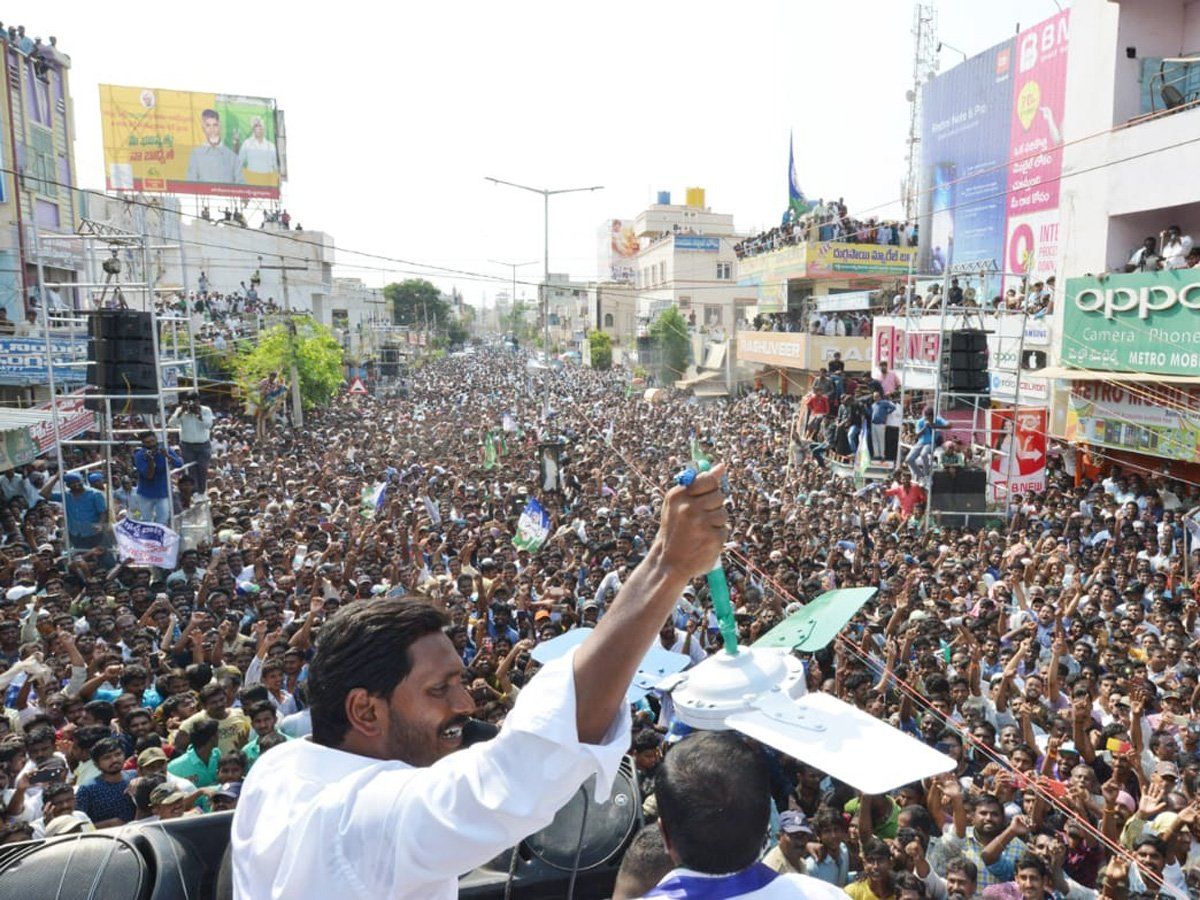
[[601, 350], [317, 354], [670, 336], [416, 301]]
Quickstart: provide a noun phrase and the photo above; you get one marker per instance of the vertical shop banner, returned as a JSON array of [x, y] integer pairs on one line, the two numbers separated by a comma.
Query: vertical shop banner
[[1026, 444], [964, 152], [1035, 150]]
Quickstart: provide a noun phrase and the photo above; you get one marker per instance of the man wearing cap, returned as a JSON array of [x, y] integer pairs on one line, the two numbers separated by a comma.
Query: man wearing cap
[[86, 510], [386, 806], [790, 853]]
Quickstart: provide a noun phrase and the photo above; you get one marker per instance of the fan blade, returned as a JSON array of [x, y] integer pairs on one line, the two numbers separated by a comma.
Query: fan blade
[[812, 628], [656, 665], [840, 740]]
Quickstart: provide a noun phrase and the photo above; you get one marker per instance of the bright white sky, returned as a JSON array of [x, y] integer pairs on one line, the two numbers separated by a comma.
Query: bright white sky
[[396, 112]]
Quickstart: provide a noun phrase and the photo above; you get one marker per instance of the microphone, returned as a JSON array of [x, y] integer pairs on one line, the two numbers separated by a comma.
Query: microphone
[[476, 731]]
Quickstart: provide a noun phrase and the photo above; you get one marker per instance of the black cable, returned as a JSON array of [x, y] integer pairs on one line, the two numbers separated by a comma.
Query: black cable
[[579, 846]]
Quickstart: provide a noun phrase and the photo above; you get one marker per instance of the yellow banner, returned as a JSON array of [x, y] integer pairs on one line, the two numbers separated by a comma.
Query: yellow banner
[[182, 142]]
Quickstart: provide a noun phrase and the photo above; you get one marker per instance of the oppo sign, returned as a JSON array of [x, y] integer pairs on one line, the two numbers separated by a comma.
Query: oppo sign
[[1112, 302]]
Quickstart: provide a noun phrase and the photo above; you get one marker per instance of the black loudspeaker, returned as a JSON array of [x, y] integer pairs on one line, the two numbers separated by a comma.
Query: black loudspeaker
[[965, 363], [962, 492], [121, 360], [176, 860]]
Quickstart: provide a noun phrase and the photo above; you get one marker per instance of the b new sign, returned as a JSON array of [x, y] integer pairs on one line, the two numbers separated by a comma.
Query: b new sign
[[1141, 322]]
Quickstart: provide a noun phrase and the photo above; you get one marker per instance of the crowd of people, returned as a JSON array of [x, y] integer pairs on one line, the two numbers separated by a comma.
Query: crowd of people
[[828, 222], [1052, 655]]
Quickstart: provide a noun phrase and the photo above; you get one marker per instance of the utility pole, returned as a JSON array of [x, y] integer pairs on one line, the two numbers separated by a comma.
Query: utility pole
[[297, 404], [514, 267], [545, 289]]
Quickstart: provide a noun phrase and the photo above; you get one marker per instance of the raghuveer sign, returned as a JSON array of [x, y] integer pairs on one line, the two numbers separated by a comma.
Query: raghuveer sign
[[1142, 322]]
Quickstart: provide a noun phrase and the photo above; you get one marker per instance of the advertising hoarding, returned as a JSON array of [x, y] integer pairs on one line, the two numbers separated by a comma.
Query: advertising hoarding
[[618, 249], [1141, 322], [1143, 418], [964, 150], [183, 142], [991, 156]]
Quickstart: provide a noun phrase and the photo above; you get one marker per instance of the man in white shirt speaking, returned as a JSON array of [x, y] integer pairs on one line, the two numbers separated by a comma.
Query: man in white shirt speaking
[[379, 804]]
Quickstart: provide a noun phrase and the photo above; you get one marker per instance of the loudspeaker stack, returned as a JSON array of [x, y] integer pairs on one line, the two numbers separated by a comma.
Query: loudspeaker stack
[[121, 361]]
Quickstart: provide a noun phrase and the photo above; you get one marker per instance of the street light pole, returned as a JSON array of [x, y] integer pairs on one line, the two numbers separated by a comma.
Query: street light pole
[[514, 267], [545, 291]]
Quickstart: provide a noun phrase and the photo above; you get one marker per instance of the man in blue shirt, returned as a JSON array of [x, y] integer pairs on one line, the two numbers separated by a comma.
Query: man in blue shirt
[[920, 456], [86, 509], [881, 408], [106, 800], [150, 500]]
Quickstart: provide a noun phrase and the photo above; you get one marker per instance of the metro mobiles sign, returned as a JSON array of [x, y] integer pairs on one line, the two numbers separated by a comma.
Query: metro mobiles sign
[[1142, 322]]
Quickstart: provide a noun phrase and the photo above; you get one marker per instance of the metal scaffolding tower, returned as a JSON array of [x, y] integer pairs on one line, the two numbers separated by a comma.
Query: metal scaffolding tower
[[1005, 330], [925, 67], [119, 267]]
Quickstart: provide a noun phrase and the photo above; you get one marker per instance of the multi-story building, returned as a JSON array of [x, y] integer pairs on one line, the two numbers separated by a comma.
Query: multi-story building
[[686, 261], [37, 137], [568, 312], [613, 309], [356, 314], [1128, 344]]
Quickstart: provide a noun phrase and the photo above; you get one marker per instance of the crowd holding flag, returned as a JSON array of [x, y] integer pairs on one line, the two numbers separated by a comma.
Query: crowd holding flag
[[532, 528]]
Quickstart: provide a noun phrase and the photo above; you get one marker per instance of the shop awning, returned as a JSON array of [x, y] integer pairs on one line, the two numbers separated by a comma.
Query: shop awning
[[1122, 377], [12, 419]]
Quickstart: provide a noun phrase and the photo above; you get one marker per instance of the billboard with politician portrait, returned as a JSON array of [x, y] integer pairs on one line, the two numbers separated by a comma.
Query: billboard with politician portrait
[[183, 142]]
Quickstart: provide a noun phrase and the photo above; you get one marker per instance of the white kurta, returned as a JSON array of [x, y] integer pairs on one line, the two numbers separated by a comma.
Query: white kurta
[[318, 822], [686, 883]]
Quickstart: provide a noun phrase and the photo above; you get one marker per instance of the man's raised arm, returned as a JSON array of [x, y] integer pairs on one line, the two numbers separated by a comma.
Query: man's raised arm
[[690, 536]]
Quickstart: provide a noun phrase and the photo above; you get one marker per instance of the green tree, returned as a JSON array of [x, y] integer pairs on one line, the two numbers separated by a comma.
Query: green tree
[[415, 302], [317, 354], [601, 350], [670, 336]]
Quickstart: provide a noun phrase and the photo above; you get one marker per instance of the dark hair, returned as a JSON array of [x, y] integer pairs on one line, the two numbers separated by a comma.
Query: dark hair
[[363, 645], [210, 114], [87, 736], [134, 713], [1033, 861], [253, 694], [100, 710], [260, 706], [105, 746], [1156, 842], [645, 862], [964, 867], [269, 740], [271, 666], [714, 796], [40, 735], [210, 691], [134, 672], [198, 675], [204, 731], [874, 848], [907, 881]]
